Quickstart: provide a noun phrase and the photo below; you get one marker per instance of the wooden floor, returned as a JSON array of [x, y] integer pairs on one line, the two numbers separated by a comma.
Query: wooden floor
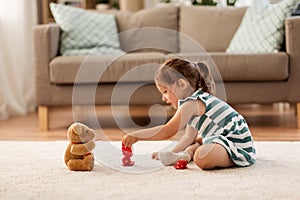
[[275, 122]]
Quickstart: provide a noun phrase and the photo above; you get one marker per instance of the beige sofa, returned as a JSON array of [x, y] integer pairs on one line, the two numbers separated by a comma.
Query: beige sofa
[[248, 78]]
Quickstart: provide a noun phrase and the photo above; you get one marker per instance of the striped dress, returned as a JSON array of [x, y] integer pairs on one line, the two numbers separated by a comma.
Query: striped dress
[[223, 125]]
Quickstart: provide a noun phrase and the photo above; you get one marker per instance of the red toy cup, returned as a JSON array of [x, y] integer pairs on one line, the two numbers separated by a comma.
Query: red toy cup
[[127, 162], [124, 148], [181, 164], [127, 152]]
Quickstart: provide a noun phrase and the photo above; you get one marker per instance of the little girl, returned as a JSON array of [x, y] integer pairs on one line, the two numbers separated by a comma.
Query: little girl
[[216, 136]]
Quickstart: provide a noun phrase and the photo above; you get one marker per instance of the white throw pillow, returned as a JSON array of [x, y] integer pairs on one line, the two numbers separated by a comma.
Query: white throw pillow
[[262, 27], [85, 32]]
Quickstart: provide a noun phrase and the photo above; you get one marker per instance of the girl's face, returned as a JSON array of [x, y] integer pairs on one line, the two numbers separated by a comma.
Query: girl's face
[[172, 93], [168, 95]]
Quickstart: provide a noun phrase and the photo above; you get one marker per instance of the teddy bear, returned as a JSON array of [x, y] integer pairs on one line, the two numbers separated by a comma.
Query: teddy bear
[[78, 155]]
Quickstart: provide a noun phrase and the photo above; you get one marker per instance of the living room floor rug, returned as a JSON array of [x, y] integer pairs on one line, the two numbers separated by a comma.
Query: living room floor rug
[[36, 170]]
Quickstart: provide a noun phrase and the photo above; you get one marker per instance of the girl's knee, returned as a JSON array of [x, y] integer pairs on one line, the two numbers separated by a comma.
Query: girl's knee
[[203, 164], [210, 156], [201, 158]]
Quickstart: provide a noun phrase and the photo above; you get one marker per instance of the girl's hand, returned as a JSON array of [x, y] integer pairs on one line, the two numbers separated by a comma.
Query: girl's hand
[[129, 140], [199, 140], [155, 155]]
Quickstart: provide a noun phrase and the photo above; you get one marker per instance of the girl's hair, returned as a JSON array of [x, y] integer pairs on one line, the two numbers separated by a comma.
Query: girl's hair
[[196, 73]]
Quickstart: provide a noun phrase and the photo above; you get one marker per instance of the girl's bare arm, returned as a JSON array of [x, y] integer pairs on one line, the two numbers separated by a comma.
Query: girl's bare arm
[[186, 140], [176, 123]]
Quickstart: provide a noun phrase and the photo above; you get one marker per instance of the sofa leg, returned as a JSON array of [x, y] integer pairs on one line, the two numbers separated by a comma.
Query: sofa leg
[[298, 114], [43, 118]]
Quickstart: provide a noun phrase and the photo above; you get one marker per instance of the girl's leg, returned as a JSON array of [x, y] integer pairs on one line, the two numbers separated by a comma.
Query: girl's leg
[[170, 158], [211, 156], [192, 148]]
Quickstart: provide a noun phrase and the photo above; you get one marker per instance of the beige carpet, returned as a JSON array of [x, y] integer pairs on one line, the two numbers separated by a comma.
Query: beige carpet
[[35, 170]]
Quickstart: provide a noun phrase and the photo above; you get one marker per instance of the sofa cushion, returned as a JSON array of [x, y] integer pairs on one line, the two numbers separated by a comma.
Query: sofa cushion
[[83, 32], [211, 27], [133, 67], [134, 38], [245, 67], [262, 27]]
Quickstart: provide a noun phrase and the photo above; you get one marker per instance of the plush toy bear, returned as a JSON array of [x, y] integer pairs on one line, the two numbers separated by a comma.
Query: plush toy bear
[[78, 156]]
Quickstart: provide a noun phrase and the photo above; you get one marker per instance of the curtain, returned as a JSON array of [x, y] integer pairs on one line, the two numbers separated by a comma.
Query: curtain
[[17, 88]]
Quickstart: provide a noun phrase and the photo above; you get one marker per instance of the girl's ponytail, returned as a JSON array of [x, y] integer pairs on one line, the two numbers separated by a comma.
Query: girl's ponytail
[[197, 73], [206, 81]]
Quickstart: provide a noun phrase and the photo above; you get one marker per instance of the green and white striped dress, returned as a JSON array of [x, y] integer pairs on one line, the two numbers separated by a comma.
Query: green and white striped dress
[[223, 125]]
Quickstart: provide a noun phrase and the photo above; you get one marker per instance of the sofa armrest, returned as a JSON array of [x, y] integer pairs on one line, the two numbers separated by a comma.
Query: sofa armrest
[[46, 40], [292, 26], [46, 44]]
